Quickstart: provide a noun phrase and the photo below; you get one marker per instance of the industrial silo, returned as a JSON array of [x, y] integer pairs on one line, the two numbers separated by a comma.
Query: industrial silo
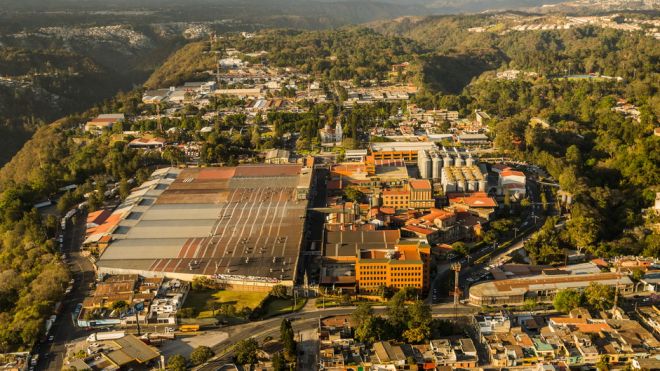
[[436, 165], [469, 162], [458, 161], [448, 161], [424, 164], [483, 184]]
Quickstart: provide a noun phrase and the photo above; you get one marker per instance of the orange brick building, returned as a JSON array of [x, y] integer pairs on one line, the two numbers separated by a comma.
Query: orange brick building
[[408, 265], [416, 194]]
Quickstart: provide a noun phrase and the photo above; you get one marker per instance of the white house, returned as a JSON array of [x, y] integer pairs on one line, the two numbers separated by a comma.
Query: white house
[[512, 182]]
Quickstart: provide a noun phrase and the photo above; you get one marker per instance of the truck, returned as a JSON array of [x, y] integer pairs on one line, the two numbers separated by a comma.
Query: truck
[[110, 335], [189, 328]]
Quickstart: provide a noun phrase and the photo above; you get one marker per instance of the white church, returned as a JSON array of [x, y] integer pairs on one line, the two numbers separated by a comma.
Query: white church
[[330, 135]]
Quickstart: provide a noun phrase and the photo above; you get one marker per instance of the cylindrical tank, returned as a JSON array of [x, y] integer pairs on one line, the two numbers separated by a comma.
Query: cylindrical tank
[[375, 200], [458, 161], [424, 164], [436, 166], [448, 161], [469, 162], [482, 185]]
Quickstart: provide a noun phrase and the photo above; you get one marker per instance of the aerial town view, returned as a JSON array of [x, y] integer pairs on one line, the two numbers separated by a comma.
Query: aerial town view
[[329, 185]]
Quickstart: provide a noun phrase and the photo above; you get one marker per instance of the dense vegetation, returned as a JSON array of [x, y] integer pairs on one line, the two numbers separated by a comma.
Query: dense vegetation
[[187, 64], [461, 55], [32, 278], [337, 54], [607, 162]]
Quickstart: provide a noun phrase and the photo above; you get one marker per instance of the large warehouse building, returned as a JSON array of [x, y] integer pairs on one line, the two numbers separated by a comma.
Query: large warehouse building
[[541, 288], [243, 225]]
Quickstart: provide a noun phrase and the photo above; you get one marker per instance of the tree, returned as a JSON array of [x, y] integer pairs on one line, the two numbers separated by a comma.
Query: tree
[[525, 203], [417, 334], [573, 156], [278, 362], [124, 189], [353, 194], [419, 322], [460, 248], [530, 304], [119, 305], [420, 314], [287, 338], [397, 312], [200, 355], [246, 351], [599, 297], [362, 313], [279, 291], [255, 140], [176, 363], [567, 300], [366, 330], [203, 283]]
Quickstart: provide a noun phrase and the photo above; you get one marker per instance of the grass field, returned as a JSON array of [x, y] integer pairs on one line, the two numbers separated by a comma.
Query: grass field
[[201, 300], [281, 306]]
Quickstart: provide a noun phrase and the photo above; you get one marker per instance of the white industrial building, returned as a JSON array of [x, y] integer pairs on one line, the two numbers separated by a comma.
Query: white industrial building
[[457, 172]]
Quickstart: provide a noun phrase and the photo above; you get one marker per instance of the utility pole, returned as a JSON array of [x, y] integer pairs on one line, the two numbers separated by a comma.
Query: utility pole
[[137, 320], [616, 289], [160, 126]]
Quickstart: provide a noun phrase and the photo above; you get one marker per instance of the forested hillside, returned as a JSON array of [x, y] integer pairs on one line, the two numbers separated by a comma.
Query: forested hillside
[[609, 163], [343, 54], [32, 278], [581, 50], [43, 82]]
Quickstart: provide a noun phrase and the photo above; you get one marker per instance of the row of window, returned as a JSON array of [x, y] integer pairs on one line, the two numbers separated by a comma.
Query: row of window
[[406, 274]]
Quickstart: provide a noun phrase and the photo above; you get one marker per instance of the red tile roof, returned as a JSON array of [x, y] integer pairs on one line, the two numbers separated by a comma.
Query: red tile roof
[[510, 172], [98, 217], [474, 201], [419, 184]]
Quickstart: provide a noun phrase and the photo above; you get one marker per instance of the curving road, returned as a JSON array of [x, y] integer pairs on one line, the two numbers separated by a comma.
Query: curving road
[[301, 322]]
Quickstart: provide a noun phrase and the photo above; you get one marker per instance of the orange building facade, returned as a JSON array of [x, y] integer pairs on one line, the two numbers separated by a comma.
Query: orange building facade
[[416, 194], [408, 265]]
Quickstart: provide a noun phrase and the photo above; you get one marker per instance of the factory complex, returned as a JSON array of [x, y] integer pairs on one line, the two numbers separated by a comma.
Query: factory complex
[[242, 225]]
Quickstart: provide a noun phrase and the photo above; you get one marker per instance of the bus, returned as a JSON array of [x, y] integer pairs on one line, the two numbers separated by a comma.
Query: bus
[[189, 328]]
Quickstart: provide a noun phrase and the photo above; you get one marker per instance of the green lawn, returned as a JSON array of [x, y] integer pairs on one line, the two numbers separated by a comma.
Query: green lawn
[[281, 306], [201, 300]]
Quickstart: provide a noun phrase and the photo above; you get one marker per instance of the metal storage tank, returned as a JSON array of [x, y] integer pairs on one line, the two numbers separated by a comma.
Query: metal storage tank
[[448, 161], [483, 184], [436, 166], [424, 164], [375, 200]]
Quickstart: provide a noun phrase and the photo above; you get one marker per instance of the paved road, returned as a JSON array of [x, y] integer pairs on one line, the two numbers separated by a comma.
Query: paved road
[[535, 219], [51, 354], [301, 322]]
